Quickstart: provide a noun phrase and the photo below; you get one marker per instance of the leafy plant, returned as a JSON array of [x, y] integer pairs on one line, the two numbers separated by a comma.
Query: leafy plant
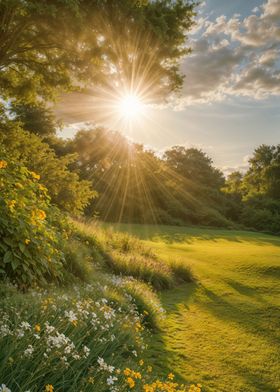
[[30, 243]]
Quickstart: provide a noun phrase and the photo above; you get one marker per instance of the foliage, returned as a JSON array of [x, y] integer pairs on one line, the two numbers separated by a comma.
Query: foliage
[[30, 245], [49, 47], [192, 163], [255, 195], [65, 188], [69, 340], [35, 118], [135, 185]]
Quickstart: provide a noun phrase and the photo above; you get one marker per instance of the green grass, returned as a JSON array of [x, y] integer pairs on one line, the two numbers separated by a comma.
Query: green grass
[[223, 330]]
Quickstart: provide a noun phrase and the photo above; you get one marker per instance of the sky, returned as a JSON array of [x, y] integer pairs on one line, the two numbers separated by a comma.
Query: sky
[[230, 101]]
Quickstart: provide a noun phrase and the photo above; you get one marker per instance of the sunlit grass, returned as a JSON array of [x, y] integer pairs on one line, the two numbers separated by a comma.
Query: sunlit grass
[[222, 331]]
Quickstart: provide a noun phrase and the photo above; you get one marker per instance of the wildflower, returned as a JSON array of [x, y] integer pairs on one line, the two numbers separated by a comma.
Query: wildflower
[[149, 369], [37, 328], [4, 388], [86, 351], [72, 317], [25, 325], [170, 376], [110, 380], [3, 164], [29, 351], [127, 372], [130, 382], [41, 214], [35, 175], [26, 241], [49, 388], [148, 388], [42, 188], [141, 362], [11, 204]]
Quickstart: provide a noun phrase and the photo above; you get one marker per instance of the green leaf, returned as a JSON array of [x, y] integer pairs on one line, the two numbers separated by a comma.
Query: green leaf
[[8, 257]]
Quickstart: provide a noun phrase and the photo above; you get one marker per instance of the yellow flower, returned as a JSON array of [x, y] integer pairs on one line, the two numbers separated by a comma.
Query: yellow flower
[[90, 380], [141, 362], [37, 328], [170, 376], [3, 164], [41, 214], [49, 388], [131, 382], [127, 372], [145, 313], [26, 241], [148, 388], [35, 176], [149, 369], [11, 204], [42, 188], [19, 185]]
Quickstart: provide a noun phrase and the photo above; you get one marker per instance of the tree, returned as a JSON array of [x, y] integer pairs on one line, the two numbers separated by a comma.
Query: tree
[[263, 175], [35, 118], [50, 46], [194, 164]]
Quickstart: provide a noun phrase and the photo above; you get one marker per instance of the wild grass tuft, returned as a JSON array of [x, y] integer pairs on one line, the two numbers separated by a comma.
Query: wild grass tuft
[[146, 301]]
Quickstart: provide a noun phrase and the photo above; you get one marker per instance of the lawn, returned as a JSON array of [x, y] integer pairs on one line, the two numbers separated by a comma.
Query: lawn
[[222, 331]]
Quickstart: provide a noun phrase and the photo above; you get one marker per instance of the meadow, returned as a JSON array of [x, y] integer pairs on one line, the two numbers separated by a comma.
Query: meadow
[[223, 329]]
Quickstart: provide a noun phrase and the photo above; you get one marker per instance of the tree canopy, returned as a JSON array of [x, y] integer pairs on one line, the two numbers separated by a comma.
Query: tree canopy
[[51, 46]]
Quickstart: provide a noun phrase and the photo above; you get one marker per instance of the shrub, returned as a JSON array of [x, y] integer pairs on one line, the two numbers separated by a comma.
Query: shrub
[[30, 244]]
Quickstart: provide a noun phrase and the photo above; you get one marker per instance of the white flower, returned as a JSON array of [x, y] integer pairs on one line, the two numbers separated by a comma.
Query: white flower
[[134, 353], [70, 315], [25, 325], [111, 380], [29, 351], [86, 351], [110, 369], [4, 388], [4, 330]]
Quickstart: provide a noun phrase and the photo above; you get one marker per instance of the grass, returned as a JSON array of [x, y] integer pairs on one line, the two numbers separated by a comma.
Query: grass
[[223, 330], [90, 333], [126, 255]]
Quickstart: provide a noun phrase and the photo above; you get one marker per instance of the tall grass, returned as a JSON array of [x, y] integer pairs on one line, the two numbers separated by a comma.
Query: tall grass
[[126, 255]]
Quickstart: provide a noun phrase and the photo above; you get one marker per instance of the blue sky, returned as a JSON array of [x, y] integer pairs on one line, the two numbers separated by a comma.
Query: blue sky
[[230, 101]]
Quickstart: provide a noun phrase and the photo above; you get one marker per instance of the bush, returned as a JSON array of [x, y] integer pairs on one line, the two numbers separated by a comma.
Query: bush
[[66, 189], [30, 243]]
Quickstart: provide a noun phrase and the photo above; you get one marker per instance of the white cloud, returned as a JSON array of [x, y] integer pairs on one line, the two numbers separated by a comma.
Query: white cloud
[[235, 56]]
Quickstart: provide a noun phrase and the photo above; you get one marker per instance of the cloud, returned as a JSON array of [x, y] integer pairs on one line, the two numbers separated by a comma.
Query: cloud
[[234, 57]]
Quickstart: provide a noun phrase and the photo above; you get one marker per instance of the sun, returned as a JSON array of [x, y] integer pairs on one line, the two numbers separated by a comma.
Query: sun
[[130, 106]]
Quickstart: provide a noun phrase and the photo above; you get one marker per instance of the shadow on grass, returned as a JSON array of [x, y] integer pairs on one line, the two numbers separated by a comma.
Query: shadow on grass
[[260, 318], [159, 355], [172, 234]]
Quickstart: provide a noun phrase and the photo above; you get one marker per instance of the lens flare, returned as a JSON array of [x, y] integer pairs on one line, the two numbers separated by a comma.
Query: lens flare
[[130, 106]]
